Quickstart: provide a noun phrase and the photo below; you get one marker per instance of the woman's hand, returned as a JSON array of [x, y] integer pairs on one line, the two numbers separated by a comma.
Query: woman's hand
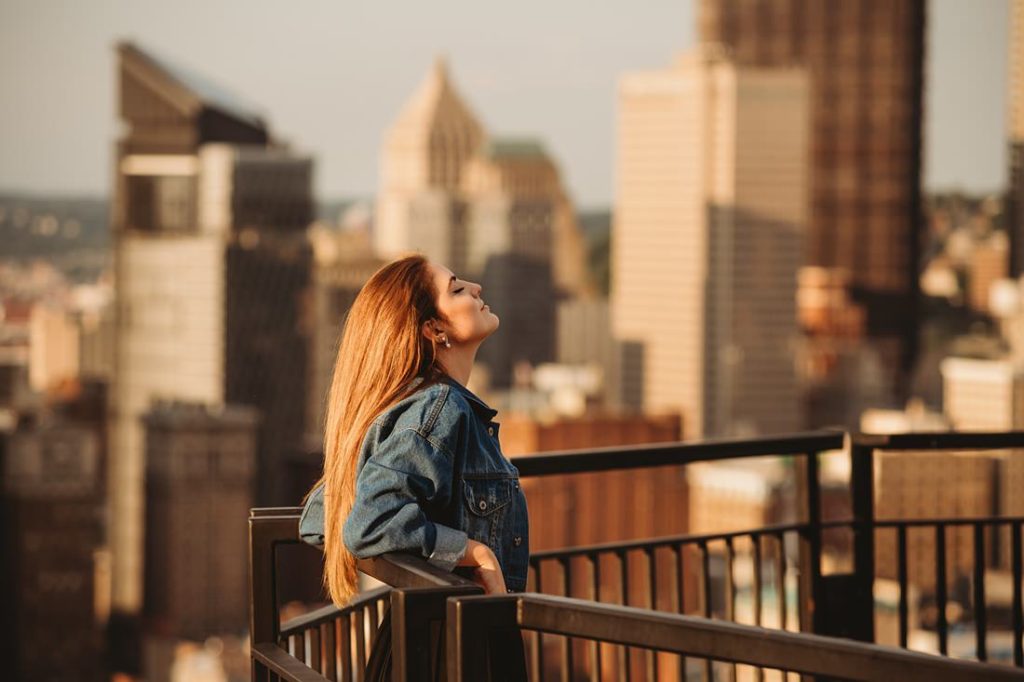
[[487, 571]]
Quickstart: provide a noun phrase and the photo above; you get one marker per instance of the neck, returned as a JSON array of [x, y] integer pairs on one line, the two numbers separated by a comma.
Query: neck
[[458, 362]]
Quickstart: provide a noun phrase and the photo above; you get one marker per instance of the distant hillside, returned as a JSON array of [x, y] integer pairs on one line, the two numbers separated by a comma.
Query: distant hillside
[[331, 210], [71, 232]]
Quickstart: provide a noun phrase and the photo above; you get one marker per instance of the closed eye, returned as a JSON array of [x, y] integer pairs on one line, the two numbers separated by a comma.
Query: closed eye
[[458, 290]]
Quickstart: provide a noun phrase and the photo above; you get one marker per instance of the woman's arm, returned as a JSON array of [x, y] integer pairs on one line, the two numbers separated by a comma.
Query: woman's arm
[[402, 474]]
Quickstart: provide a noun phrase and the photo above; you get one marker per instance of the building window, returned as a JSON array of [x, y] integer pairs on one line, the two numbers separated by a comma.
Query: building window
[[161, 203]]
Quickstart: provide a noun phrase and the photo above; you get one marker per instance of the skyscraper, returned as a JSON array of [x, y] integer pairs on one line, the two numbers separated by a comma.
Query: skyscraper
[[1016, 138], [211, 269], [709, 216], [513, 200], [422, 161], [866, 66], [200, 464], [50, 499], [491, 209]]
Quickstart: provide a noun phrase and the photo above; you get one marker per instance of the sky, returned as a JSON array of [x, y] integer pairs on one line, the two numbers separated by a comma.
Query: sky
[[331, 76]]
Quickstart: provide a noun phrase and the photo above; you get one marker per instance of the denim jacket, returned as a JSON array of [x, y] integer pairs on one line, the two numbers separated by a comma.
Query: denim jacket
[[430, 476]]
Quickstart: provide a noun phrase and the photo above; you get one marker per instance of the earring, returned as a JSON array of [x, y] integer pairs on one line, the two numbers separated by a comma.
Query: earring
[[444, 340]]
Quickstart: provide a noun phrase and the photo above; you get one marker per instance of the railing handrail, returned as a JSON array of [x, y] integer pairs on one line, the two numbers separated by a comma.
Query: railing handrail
[[469, 617], [283, 664], [674, 453], [662, 541], [409, 572], [329, 613], [941, 440], [279, 525], [942, 521]]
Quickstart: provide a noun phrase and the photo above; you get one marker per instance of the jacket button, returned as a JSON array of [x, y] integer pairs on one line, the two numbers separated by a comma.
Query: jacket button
[[482, 505], [517, 540], [490, 430]]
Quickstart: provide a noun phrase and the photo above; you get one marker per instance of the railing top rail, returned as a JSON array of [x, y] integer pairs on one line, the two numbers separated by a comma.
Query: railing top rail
[[664, 454], [938, 521], [734, 642], [586, 460], [328, 613], [941, 440], [663, 541], [275, 511], [280, 525], [405, 571], [284, 664]]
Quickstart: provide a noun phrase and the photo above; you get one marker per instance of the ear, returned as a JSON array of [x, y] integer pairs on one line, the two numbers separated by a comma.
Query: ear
[[430, 330]]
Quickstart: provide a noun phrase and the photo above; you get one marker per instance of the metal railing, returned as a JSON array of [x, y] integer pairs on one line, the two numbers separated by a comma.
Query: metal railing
[[334, 644], [767, 541], [838, 604], [472, 619]]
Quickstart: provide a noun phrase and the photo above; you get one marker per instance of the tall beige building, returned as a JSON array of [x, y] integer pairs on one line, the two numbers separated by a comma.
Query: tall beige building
[[491, 209], [710, 210], [1016, 137], [437, 157], [422, 163], [211, 267]]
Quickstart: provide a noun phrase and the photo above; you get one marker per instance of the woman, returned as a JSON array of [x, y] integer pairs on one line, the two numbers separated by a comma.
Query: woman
[[411, 457]]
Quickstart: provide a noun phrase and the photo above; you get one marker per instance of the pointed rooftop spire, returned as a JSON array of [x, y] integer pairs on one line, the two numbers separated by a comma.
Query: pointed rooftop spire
[[435, 99], [191, 85], [436, 128], [439, 70]]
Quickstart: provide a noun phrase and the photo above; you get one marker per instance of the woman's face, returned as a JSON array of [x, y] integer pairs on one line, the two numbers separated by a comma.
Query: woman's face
[[469, 319]]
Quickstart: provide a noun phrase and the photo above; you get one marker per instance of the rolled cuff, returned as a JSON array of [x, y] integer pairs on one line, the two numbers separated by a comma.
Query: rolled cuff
[[449, 547]]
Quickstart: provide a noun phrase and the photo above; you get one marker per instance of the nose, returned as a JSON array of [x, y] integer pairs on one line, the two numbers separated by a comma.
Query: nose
[[479, 290]]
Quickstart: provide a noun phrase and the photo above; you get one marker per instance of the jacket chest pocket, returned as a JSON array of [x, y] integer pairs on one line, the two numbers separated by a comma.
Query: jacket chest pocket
[[486, 501]]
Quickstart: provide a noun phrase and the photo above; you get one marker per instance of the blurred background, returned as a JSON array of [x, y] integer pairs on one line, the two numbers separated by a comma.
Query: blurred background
[[696, 219]]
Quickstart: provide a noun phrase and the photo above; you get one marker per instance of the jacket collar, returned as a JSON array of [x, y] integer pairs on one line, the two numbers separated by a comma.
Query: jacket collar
[[482, 409]]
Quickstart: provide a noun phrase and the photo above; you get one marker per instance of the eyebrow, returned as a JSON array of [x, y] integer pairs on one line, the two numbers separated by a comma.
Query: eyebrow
[[450, 281]]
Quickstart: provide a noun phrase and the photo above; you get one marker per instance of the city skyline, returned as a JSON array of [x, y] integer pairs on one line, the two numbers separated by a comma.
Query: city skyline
[[560, 88], [712, 367]]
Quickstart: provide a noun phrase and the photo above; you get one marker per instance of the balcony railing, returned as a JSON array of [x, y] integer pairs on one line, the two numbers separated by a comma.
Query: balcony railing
[[471, 620], [333, 644]]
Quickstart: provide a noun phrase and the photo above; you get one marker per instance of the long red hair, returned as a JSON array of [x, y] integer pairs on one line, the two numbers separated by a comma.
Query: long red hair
[[382, 350]]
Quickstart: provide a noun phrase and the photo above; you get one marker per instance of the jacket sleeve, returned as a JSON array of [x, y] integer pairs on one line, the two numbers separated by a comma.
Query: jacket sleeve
[[404, 472]]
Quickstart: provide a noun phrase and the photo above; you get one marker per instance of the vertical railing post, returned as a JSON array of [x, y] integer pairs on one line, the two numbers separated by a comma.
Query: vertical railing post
[[810, 583], [843, 603], [862, 483], [417, 631], [471, 626], [264, 626]]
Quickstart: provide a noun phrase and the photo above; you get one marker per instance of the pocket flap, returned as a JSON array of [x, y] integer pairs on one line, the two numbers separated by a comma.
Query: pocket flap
[[484, 496]]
